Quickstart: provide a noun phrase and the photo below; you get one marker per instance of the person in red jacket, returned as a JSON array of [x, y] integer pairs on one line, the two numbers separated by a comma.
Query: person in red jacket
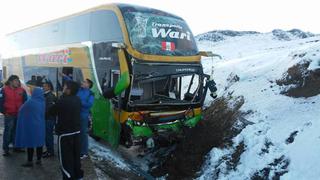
[[12, 96]]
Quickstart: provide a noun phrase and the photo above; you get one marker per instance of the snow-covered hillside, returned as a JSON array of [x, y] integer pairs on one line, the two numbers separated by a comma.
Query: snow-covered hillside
[[284, 139], [220, 35]]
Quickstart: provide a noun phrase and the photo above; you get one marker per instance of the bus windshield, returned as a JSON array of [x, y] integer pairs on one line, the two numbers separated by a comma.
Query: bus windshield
[[161, 84], [158, 33], [169, 89]]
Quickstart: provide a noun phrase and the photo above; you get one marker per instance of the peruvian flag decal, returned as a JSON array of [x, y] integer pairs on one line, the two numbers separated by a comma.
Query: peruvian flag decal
[[168, 46]]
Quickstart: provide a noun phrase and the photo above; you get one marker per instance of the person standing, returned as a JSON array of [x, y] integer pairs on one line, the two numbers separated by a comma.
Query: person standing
[[87, 97], [68, 109], [50, 120], [30, 131], [12, 96]]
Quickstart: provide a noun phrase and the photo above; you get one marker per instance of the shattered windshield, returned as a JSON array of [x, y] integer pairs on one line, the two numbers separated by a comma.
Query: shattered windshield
[[159, 33], [167, 90]]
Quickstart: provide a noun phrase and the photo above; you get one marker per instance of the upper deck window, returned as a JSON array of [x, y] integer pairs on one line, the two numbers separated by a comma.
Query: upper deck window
[[155, 32]]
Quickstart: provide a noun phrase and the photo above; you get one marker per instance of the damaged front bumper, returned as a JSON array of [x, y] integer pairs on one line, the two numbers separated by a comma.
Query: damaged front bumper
[[140, 129]]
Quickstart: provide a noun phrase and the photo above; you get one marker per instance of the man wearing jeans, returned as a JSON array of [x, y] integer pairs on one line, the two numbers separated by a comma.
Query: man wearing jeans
[[12, 96], [50, 120], [87, 97]]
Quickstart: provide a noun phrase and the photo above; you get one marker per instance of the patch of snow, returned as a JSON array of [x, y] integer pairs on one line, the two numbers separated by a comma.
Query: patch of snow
[[106, 154], [213, 162], [101, 175], [313, 55]]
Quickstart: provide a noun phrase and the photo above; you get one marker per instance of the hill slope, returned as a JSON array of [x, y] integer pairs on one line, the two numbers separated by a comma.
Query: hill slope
[[283, 139]]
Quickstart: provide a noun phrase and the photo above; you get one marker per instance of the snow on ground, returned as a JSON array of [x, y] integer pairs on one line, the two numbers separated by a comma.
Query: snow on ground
[[118, 163], [259, 60], [107, 154]]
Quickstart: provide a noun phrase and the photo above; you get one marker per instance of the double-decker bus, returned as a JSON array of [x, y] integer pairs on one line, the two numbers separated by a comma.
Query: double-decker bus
[[146, 68]]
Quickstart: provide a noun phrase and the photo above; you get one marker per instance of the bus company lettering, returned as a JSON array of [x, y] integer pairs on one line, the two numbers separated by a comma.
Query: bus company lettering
[[160, 25], [170, 33], [60, 57], [185, 70], [105, 58]]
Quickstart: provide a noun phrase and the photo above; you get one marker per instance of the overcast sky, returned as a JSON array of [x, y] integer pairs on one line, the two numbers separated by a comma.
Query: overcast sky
[[201, 15]]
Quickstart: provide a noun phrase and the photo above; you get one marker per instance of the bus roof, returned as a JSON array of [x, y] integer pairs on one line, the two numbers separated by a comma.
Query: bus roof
[[112, 5], [85, 26], [100, 7]]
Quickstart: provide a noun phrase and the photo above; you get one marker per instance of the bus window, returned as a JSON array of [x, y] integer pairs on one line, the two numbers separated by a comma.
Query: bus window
[[37, 75], [68, 71], [77, 75], [104, 26], [67, 74], [117, 100], [64, 74], [114, 77]]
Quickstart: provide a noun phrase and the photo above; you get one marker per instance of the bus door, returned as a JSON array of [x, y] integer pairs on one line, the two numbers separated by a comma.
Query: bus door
[[107, 68]]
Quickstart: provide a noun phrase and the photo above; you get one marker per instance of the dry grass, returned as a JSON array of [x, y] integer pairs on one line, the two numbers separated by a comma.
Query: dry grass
[[216, 130], [303, 82]]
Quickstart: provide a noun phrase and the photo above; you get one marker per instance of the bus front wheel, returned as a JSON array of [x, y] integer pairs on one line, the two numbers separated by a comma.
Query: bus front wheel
[[126, 136]]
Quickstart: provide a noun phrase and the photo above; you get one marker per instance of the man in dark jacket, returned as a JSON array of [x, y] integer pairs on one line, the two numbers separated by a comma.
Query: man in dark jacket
[[68, 110], [50, 120], [12, 96]]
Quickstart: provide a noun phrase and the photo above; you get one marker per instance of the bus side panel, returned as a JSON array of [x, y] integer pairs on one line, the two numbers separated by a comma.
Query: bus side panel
[[104, 125]]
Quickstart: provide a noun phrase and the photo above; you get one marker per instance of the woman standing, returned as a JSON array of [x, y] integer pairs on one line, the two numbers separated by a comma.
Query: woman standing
[[30, 132]]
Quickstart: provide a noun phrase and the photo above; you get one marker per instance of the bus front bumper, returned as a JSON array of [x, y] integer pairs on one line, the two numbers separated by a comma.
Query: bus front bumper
[[145, 130]]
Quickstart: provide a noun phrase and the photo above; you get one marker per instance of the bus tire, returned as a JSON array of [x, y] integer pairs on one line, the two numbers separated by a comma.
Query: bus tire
[[126, 136]]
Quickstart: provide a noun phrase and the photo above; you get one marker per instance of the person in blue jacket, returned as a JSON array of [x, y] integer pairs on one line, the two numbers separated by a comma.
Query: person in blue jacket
[[30, 132], [87, 98]]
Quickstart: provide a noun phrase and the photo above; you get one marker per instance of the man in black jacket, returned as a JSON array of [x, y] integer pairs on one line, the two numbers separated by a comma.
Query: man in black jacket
[[50, 120], [68, 129]]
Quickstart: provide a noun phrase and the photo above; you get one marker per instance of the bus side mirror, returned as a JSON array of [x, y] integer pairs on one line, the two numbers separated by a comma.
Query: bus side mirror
[[209, 54], [118, 45]]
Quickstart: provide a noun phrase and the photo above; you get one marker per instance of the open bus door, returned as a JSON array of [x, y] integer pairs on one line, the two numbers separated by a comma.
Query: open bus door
[[113, 77]]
